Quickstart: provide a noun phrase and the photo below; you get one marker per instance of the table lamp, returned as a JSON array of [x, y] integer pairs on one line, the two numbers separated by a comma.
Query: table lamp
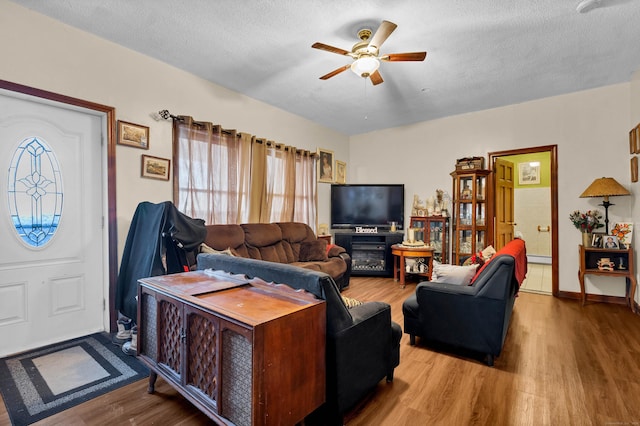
[[605, 187]]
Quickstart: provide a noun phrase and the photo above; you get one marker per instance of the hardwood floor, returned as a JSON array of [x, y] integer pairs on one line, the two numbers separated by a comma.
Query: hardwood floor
[[562, 364]]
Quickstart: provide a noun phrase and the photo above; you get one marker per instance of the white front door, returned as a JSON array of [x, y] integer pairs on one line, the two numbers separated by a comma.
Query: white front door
[[52, 267]]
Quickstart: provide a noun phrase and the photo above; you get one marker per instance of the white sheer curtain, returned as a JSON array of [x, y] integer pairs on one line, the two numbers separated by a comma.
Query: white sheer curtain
[[208, 179]]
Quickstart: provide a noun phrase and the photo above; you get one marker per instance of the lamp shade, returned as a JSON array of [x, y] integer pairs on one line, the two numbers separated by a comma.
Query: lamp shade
[[365, 66], [604, 187]]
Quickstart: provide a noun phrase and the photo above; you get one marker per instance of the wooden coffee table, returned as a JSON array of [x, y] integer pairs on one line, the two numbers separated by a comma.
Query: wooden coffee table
[[400, 252]]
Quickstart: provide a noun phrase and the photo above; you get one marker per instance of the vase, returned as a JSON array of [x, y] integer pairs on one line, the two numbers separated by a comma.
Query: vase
[[586, 239]]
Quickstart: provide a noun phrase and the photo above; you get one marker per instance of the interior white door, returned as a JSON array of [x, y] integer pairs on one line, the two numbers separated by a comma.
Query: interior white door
[[52, 268]]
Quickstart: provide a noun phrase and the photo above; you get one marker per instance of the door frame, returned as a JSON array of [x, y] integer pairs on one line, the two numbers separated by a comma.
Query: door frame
[[553, 153], [110, 178]]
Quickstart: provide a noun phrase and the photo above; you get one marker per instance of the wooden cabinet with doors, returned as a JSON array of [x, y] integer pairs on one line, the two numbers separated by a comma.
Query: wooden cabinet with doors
[[472, 196], [434, 231], [244, 352]]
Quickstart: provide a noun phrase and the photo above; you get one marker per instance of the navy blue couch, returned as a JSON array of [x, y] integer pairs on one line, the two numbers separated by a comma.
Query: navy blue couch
[[473, 317], [363, 344]]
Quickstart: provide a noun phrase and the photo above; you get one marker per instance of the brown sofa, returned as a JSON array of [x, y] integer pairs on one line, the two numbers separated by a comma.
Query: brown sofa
[[292, 243]]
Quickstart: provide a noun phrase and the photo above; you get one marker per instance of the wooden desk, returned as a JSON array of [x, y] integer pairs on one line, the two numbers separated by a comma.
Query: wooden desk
[[400, 252], [588, 265], [243, 352]]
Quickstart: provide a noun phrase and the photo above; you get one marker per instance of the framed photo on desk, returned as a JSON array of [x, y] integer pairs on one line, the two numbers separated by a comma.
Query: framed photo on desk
[[610, 242], [596, 239]]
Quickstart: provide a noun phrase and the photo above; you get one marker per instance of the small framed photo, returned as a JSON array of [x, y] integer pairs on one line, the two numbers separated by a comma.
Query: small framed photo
[[634, 169], [325, 166], [155, 167], [341, 172], [596, 239], [529, 173], [610, 242], [133, 135]]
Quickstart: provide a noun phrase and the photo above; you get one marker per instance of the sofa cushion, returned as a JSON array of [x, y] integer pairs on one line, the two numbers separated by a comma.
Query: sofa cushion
[[222, 237], [264, 242], [333, 266], [453, 274], [313, 251], [294, 234], [261, 234]]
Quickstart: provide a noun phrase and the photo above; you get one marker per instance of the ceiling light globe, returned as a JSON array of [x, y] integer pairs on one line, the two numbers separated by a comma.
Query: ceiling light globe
[[365, 66]]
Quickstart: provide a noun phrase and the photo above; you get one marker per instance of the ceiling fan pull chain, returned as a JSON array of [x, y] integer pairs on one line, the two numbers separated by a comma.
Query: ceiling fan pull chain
[[366, 103]]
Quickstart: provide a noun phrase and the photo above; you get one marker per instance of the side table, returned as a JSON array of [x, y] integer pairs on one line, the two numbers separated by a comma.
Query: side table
[[623, 268], [401, 252], [326, 237]]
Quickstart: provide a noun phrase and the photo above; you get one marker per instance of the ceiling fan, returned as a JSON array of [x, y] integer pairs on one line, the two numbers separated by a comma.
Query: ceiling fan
[[366, 51]]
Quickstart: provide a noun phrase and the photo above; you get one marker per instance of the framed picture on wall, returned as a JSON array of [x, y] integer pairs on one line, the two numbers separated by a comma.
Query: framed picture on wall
[[325, 166], [134, 135], [155, 167], [529, 173], [341, 172]]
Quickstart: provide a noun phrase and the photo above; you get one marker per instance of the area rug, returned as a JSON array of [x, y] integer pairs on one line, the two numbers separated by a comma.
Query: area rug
[[43, 382]]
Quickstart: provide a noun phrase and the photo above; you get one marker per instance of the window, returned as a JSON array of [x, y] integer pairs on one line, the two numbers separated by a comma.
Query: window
[[229, 177], [35, 192]]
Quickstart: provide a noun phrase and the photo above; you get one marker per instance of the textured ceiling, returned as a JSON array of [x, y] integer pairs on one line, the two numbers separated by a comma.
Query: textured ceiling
[[481, 53]]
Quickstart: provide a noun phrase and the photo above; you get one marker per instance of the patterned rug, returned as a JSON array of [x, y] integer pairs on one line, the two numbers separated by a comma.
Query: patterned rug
[[43, 382]]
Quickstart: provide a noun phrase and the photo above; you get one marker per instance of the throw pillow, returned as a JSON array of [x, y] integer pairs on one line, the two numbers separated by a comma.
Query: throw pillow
[[488, 253], [311, 251], [476, 259], [350, 303], [453, 274], [206, 249]]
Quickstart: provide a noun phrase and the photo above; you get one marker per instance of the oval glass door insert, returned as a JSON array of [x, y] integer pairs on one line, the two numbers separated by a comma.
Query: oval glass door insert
[[35, 192]]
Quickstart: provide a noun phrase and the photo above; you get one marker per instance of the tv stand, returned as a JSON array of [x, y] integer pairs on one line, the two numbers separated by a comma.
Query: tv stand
[[370, 252]]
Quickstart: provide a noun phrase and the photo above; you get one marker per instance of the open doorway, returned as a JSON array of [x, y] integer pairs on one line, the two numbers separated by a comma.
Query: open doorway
[[538, 199]]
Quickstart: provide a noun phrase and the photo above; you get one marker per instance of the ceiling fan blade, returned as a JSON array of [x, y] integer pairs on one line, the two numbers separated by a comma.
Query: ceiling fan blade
[[335, 72], [396, 57], [331, 49], [376, 78], [384, 30]]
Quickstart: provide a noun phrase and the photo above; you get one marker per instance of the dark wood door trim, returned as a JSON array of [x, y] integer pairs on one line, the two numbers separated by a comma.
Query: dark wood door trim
[[553, 153], [110, 113]]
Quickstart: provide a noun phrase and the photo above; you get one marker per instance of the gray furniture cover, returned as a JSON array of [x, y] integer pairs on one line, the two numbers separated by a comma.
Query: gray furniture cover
[[363, 344]]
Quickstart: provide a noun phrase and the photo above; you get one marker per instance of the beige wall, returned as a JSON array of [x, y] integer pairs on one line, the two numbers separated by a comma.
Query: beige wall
[[46, 54], [590, 127]]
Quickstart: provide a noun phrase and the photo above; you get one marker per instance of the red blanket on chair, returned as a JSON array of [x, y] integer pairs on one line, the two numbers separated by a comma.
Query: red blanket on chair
[[518, 250]]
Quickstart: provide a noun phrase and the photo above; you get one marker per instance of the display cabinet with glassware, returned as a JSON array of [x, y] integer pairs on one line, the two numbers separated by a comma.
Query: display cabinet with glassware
[[434, 231], [471, 197]]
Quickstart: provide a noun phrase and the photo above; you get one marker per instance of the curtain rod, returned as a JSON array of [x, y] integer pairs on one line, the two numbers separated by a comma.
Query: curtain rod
[[165, 114]]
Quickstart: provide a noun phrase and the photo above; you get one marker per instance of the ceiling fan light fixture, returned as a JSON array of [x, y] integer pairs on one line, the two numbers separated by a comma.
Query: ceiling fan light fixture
[[365, 66]]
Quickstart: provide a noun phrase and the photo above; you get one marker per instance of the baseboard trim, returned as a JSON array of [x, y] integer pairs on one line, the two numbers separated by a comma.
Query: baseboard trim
[[599, 298]]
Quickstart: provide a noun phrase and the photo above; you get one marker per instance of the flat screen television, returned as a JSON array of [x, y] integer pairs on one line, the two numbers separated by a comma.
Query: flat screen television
[[367, 205]]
